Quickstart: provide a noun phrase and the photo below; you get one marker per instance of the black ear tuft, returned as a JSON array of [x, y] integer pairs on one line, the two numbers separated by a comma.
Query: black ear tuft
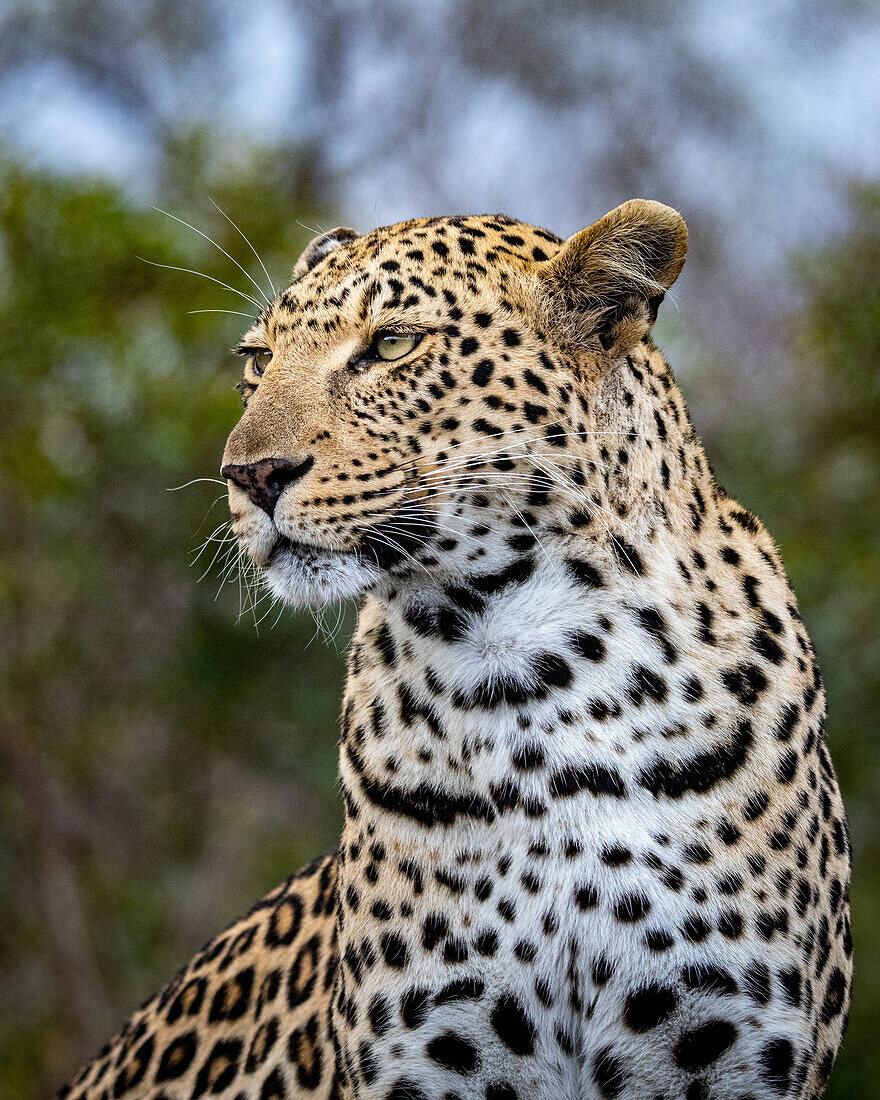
[[317, 249], [607, 282]]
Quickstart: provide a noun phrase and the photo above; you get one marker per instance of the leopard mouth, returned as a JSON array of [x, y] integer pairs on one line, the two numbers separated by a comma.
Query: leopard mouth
[[300, 549]]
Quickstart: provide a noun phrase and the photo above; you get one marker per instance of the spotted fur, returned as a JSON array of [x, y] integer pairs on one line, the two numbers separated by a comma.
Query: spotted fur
[[593, 844]]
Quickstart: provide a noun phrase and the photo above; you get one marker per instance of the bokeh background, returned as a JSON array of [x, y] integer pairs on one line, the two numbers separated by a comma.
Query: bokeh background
[[167, 753]]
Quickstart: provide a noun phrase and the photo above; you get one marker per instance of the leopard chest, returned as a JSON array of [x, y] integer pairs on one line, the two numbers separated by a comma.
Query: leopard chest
[[509, 959]]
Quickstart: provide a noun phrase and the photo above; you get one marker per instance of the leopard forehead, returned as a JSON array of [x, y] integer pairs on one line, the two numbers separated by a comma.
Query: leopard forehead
[[432, 263]]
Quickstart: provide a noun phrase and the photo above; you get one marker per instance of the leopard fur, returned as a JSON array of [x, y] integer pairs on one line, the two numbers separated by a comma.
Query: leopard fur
[[594, 845]]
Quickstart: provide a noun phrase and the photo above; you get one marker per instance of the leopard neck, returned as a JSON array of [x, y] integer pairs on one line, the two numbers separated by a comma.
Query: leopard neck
[[522, 706]]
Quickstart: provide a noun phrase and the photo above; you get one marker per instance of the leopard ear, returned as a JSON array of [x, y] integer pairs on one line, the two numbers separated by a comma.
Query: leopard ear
[[317, 249], [606, 283]]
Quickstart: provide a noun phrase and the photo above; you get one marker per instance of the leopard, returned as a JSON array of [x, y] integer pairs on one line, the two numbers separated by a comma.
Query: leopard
[[593, 841]]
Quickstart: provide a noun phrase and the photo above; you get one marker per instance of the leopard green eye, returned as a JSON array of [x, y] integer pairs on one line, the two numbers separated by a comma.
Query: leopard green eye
[[260, 359], [394, 345]]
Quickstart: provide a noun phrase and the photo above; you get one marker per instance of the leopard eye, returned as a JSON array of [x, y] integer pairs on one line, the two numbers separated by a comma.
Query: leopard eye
[[394, 345], [260, 359]]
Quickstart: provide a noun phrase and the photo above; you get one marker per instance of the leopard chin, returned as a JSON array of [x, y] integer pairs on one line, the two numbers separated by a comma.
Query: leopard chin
[[305, 575]]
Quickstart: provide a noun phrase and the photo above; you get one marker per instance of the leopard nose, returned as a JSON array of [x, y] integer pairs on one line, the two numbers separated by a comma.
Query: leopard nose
[[266, 480]]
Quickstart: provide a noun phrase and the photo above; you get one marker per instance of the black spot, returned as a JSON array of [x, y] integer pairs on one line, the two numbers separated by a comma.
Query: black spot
[[513, 1026], [380, 1014], [695, 929], [455, 951], [791, 982], [631, 908], [526, 952], [648, 1007], [703, 770], [272, 1087], [434, 928], [528, 758], [511, 337], [658, 939], [615, 856], [595, 778], [552, 670], [177, 1057], [453, 1052], [405, 1089], [608, 1073], [727, 832], [482, 372], [627, 556], [486, 943], [414, 1007], [518, 572], [787, 722], [588, 645], [500, 1090], [835, 994], [385, 645], [462, 989], [586, 896], [768, 647], [219, 1069], [584, 573], [692, 689], [730, 924], [756, 982], [703, 1045], [601, 970], [424, 803], [646, 684], [746, 682], [507, 909], [535, 381], [709, 978], [756, 804], [483, 888], [394, 951], [777, 1059], [787, 767]]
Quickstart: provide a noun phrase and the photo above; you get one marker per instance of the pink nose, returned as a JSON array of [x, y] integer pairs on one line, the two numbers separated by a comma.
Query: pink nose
[[266, 480]]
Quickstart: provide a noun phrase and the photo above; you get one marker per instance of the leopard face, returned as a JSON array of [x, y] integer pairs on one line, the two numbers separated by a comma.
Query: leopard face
[[415, 387]]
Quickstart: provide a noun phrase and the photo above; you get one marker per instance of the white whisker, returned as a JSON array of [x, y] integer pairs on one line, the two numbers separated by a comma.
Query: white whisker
[[195, 481], [190, 271], [247, 242], [220, 248]]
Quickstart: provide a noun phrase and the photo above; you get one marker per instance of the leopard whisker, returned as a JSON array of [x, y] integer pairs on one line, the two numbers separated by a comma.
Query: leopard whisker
[[191, 271], [220, 248], [247, 242]]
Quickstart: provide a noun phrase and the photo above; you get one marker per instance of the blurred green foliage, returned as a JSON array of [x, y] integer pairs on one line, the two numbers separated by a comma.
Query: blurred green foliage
[[164, 762]]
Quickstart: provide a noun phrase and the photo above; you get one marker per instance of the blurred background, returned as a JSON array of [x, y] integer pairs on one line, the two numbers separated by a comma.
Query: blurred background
[[166, 753]]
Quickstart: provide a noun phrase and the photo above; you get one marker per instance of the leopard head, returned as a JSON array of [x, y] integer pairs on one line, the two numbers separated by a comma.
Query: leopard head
[[430, 395]]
